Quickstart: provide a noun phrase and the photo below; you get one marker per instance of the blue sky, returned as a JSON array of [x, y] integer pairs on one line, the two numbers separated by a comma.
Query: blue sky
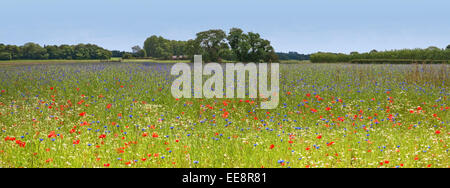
[[305, 26]]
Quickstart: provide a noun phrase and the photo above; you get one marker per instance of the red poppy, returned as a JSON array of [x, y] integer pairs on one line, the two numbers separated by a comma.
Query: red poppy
[[272, 146], [52, 134], [438, 132], [108, 106], [154, 135], [82, 114]]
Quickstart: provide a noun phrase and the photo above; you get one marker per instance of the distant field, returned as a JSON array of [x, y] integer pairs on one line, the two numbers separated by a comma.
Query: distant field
[[123, 115]]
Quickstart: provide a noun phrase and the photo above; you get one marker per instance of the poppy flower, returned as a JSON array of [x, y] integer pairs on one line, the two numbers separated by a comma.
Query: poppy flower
[[52, 134], [82, 114], [272, 146], [108, 106]]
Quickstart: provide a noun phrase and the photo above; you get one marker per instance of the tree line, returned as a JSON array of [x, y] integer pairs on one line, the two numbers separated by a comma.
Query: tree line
[[429, 55], [215, 46], [33, 51], [292, 56]]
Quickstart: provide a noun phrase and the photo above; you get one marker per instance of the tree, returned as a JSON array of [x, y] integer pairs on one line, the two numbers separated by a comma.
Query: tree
[[448, 47], [54, 52], [212, 41], [15, 51], [34, 51], [136, 49], [193, 48], [157, 47], [138, 52], [116, 53], [141, 54], [127, 55], [5, 56], [235, 37]]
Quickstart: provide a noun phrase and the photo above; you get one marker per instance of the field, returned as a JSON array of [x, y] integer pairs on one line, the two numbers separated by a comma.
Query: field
[[110, 115]]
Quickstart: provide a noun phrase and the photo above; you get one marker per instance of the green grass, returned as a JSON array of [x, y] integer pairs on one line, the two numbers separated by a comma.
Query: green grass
[[376, 116]]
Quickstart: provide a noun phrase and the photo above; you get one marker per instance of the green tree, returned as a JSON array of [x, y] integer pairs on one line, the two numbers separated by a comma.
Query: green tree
[[236, 38], [157, 47], [127, 55], [5, 55], [15, 51], [54, 52], [448, 47], [212, 41], [34, 51], [192, 48]]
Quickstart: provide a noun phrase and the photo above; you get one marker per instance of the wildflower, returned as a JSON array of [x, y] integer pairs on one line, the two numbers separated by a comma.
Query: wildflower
[[52, 134]]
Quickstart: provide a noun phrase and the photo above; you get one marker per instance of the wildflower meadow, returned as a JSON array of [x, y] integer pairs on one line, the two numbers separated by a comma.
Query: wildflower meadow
[[119, 115]]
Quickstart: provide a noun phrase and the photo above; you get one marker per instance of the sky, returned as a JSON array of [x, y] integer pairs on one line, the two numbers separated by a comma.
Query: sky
[[304, 26]]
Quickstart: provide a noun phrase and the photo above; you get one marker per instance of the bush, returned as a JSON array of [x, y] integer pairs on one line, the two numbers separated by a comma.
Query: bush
[[398, 61], [127, 55]]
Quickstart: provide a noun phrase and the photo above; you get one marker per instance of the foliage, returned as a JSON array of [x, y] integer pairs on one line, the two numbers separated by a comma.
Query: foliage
[[127, 55], [411, 55], [292, 56], [215, 46], [34, 51]]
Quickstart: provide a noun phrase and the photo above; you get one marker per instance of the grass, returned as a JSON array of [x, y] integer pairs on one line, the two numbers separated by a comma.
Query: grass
[[122, 115]]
